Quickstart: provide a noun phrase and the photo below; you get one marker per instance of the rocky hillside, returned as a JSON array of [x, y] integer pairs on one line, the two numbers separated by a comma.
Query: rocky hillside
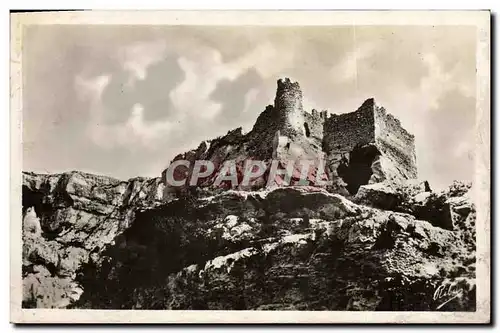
[[112, 244], [374, 239], [79, 214]]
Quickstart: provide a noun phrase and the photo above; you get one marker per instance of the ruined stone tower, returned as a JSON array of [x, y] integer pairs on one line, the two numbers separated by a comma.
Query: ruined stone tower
[[288, 107], [361, 147]]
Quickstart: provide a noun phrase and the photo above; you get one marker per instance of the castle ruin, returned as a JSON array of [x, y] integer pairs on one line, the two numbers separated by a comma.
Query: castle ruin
[[365, 146]]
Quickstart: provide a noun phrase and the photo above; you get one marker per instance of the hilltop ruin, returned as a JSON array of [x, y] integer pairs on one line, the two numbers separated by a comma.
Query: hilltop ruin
[[362, 147]]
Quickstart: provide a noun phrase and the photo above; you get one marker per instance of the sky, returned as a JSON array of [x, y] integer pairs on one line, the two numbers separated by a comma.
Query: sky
[[124, 100]]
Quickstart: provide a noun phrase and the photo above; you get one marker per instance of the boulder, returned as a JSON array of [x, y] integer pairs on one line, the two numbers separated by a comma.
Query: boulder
[[393, 196]]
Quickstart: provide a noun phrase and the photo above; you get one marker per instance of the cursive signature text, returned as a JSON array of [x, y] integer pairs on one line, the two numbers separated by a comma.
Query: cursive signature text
[[447, 292]]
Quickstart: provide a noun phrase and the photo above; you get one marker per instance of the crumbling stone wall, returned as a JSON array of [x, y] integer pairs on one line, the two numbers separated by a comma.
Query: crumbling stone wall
[[395, 142], [369, 129], [342, 133], [313, 125], [262, 134]]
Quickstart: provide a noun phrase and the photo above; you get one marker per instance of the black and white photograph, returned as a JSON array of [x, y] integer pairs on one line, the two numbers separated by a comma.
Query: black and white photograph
[[250, 167]]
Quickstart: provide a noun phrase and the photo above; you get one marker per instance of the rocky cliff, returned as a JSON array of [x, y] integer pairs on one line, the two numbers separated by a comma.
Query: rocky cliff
[[78, 215], [115, 245]]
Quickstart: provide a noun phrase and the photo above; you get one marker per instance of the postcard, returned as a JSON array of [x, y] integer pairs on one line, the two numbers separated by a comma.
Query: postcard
[[250, 167]]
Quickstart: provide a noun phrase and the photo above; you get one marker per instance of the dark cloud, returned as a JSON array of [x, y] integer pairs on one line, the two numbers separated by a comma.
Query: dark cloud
[[152, 93], [231, 94]]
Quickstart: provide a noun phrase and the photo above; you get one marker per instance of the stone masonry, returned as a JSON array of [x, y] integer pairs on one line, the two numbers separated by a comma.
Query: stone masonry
[[362, 147]]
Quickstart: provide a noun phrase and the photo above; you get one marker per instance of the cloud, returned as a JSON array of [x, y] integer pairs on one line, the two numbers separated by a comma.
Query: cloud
[[250, 97], [137, 57], [443, 123], [352, 63], [447, 143], [266, 60], [436, 82], [134, 132], [147, 133], [92, 88], [189, 102], [139, 95], [192, 95], [206, 69]]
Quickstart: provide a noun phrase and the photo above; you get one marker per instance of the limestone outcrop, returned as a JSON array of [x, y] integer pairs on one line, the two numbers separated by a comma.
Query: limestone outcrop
[[79, 214], [294, 248]]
